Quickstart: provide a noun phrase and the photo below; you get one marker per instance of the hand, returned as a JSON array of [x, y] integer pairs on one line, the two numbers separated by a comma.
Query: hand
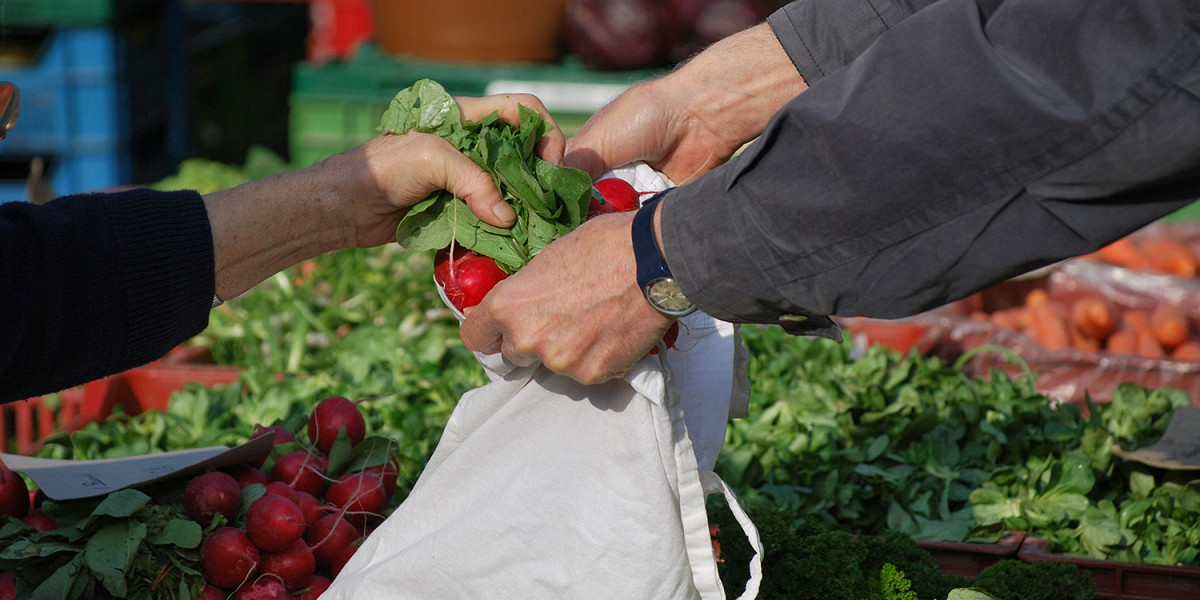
[[575, 307], [355, 198], [405, 169], [695, 118]]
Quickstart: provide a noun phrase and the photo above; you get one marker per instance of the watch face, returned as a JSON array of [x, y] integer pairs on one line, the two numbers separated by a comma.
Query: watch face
[[665, 295]]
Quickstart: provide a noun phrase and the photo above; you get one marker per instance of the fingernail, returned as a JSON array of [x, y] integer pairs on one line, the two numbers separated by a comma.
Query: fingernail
[[504, 212]]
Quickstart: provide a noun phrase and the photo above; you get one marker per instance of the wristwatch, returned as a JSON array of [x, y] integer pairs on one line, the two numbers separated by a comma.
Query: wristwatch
[[653, 274]]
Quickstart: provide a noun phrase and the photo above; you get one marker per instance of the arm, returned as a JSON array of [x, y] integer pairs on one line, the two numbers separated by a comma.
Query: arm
[[94, 284], [697, 116], [965, 146]]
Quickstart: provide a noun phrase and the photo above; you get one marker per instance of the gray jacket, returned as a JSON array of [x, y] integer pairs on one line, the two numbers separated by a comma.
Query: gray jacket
[[943, 148]]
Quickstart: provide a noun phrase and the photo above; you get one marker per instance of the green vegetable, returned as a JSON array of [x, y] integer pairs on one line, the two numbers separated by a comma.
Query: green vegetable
[[549, 200]]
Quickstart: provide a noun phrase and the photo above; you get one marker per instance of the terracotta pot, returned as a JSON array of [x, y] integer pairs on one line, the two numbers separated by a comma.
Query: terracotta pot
[[471, 30]]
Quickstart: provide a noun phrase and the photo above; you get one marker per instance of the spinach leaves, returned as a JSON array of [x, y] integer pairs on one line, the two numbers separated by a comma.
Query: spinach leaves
[[549, 200]]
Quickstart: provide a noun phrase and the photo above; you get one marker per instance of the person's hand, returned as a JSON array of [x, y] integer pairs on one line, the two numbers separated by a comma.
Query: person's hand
[[405, 169], [696, 117], [576, 307], [355, 198]]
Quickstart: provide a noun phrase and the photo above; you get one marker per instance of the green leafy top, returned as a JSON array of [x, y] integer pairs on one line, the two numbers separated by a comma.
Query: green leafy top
[[549, 200]]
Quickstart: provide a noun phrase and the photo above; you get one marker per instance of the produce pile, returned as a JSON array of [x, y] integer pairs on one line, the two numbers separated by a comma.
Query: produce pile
[[280, 527]]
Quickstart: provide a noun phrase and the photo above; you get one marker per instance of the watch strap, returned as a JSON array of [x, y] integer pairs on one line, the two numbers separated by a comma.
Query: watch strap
[[650, 262]]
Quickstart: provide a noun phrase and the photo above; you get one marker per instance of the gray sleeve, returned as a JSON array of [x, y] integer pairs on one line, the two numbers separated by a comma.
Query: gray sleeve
[[820, 36], [960, 149]]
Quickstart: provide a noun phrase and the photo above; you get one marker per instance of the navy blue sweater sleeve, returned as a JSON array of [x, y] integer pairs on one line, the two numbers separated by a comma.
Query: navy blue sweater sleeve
[[94, 284]]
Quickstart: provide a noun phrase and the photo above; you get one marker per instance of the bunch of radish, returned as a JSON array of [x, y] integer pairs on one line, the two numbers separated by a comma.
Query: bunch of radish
[[466, 277], [285, 530]]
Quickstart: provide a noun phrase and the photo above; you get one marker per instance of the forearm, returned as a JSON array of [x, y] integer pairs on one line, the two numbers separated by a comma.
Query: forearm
[[960, 150], [264, 226]]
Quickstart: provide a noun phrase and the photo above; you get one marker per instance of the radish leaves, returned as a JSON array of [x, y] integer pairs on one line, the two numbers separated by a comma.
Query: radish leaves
[[549, 200]]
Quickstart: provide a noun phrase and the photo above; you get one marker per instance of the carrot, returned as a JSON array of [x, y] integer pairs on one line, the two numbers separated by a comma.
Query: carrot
[[1050, 327], [1092, 316], [1122, 341], [1147, 344], [1037, 297], [1082, 342], [1169, 325], [1189, 350], [1007, 318], [1125, 253], [1171, 256]]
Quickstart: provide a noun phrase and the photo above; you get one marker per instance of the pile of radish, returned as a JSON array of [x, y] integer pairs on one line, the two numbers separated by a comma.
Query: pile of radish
[[280, 527], [305, 524]]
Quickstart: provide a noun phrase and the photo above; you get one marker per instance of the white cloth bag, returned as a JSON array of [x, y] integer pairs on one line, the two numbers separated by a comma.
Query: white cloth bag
[[545, 488]]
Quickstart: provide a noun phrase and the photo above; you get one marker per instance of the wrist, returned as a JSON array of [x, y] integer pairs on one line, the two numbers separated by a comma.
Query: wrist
[[741, 81]]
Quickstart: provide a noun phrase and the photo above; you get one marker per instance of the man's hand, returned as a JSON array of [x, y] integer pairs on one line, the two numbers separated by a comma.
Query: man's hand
[[693, 119], [576, 307]]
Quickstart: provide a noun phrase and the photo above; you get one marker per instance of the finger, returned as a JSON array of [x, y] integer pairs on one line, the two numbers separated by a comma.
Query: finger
[[479, 331], [506, 106], [467, 180]]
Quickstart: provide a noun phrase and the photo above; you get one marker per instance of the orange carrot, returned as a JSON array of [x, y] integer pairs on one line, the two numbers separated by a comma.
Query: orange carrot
[[1171, 256], [1079, 341], [1147, 344], [1007, 318], [1189, 350], [1050, 326], [1122, 341], [1037, 297], [1125, 253], [1092, 316], [1170, 326]]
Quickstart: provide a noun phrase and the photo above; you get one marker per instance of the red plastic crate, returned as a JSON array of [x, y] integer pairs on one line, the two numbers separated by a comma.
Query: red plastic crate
[[23, 424], [1117, 580], [969, 559], [150, 387]]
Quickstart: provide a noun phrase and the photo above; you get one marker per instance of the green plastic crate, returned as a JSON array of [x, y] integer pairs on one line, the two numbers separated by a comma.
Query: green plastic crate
[[336, 106], [55, 13]]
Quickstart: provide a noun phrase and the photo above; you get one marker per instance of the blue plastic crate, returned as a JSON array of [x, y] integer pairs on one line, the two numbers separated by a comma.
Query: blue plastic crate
[[70, 95]]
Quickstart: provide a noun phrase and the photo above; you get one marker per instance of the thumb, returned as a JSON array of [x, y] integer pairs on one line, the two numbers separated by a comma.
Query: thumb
[[468, 181]]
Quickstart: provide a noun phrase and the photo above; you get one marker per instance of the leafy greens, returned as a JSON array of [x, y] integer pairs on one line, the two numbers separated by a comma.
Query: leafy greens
[[549, 200]]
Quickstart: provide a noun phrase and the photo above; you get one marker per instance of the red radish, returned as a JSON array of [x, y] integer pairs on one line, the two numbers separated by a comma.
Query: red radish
[[282, 436], [360, 494], [279, 488], [317, 586], [40, 520], [294, 566], [303, 471], [466, 277], [618, 194], [387, 474], [669, 338], [211, 592], [343, 557], [274, 523], [263, 588], [310, 506], [14, 494], [328, 535], [247, 475], [228, 558], [212, 493], [329, 417]]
